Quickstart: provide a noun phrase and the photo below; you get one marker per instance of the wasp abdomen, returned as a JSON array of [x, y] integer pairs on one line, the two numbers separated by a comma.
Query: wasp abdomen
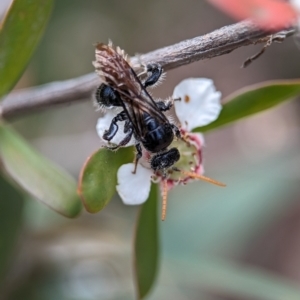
[[159, 135]]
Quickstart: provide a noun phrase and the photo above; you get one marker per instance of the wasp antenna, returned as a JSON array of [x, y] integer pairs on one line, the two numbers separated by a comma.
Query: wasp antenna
[[204, 178], [164, 199]]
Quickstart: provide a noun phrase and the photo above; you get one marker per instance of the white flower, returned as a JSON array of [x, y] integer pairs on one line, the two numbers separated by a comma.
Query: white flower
[[199, 106], [200, 102]]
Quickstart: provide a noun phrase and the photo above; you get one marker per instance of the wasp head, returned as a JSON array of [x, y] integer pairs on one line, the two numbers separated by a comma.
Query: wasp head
[[165, 160]]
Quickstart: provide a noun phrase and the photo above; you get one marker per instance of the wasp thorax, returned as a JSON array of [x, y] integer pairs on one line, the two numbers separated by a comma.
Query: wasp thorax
[[107, 97]]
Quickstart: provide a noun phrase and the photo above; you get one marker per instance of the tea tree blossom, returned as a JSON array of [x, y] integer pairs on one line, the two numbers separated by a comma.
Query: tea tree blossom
[[199, 105]]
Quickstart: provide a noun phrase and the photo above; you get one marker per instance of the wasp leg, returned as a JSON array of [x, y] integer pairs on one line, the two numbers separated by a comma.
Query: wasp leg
[[137, 156], [164, 105], [156, 71], [127, 138], [177, 131], [124, 142], [180, 136], [113, 128], [127, 126]]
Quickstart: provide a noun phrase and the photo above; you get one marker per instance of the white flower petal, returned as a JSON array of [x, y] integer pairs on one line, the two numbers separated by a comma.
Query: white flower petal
[[200, 102], [134, 189], [104, 123]]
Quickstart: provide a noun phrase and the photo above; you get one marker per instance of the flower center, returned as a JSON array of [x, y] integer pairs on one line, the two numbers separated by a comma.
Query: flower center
[[190, 160]]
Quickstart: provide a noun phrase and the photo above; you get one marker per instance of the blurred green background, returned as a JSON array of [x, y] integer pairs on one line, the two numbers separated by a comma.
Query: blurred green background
[[242, 242]]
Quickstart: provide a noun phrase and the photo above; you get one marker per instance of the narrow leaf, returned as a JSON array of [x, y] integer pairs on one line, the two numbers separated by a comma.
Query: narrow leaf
[[20, 33], [98, 178], [146, 245], [254, 99], [36, 175], [11, 204]]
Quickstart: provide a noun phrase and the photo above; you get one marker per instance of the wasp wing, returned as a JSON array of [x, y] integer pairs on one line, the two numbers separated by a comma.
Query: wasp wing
[[112, 65]]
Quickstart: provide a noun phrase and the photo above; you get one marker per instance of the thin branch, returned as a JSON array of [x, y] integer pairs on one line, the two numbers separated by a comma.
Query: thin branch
[[278, 38], [216, 43]]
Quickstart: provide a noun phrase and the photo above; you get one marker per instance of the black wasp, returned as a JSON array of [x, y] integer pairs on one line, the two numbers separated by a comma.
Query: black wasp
[[144, 118]]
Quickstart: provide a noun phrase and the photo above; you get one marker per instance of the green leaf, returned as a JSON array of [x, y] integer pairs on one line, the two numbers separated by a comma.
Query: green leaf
[[11, 204], [36, 175], [254, 99], [146, 245], [98, 179], [20, 33]]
